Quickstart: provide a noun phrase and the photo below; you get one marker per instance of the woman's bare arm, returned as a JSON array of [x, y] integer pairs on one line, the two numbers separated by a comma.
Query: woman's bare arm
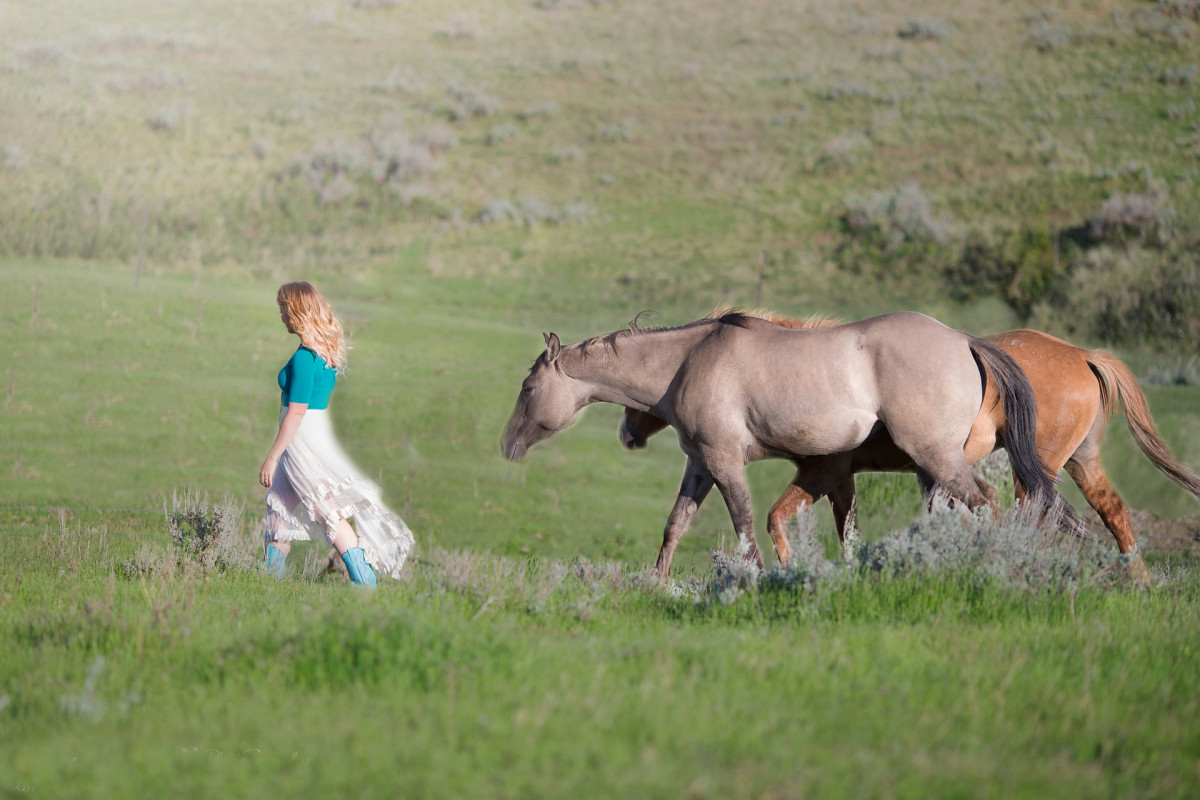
[[287, 431]]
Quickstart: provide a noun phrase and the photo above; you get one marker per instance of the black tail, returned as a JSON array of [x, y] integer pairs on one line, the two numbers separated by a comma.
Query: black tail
[[1020, 433]]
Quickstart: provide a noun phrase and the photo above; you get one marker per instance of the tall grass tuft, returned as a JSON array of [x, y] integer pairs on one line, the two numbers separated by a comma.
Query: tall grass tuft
[[75, 551]]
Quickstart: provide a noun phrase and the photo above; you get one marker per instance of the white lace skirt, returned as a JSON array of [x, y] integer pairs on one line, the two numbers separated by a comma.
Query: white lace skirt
[[316, 484]]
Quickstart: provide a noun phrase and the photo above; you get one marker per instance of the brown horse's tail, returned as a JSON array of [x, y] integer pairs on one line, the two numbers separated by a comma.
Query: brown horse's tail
[[1118, 383], [1020, 432]]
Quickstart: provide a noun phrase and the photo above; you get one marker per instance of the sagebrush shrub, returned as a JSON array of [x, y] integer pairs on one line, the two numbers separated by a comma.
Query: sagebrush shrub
[[905, 215], [173, 116], [996, 470], [547, 109], [1147, 214], [386, 156], [1180, 76], [1011, 550], [469, 101], [1187, 9], [844, 149], [1045, 37], [502, 133], [924, 30], [208, 535], [532, 211], [1182, 373], [1127, 294], [14, 159]]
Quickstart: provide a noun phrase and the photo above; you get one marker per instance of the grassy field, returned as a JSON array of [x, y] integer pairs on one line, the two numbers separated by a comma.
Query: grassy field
[[458, 180], [484, 676]]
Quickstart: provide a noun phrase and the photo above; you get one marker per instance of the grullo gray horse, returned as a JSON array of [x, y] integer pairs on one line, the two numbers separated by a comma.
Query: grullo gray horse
[[1077, 392], [739, 389]]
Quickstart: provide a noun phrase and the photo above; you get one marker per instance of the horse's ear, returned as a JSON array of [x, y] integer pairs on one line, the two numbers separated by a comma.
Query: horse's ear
[[552, 346]]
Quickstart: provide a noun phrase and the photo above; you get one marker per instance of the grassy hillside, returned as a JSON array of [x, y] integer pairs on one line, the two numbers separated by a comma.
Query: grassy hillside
[[711, 148]]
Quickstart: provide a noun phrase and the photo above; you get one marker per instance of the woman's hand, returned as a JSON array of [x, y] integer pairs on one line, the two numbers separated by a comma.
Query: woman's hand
[[266, 473]]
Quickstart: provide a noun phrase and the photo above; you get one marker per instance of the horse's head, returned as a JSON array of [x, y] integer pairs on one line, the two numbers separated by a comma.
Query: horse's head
[[549, 401], [637, 427]]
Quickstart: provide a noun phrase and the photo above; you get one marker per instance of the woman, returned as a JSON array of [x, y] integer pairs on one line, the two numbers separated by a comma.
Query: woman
[[313, 487]]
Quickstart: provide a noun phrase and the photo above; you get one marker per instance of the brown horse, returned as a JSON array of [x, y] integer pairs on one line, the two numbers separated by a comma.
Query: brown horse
[[1076, 392], [739, 389]]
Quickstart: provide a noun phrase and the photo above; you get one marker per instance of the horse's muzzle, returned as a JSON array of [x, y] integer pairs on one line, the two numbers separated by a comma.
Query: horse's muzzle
[[514, 450], [630, 441]]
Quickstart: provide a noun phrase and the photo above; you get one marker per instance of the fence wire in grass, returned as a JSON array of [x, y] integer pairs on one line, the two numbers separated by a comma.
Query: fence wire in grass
[[577, 588], [29, 520]]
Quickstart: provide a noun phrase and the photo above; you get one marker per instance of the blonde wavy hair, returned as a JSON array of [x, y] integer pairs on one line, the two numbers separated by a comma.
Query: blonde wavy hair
[[310, 317]]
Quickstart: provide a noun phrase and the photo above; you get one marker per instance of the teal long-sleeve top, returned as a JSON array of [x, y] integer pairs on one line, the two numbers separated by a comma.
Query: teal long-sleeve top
[[306, 378]]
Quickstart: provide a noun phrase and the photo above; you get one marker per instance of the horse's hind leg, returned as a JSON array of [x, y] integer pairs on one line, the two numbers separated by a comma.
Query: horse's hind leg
[[815, 478], [697, 483], [954, 477], [1085, 469], [987, 490], [936, 449], [1092, 480], [790, 503]]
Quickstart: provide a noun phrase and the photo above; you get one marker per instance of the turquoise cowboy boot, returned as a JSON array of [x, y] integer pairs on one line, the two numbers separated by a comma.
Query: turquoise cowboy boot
[[360, 571], [275, 560]]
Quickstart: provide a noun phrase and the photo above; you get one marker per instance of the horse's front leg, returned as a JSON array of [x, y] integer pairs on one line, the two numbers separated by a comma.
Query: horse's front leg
[[697, 483], [736, 492]]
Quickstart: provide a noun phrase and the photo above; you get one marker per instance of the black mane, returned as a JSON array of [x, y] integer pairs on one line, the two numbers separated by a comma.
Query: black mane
[[737, 319], [609, 341]]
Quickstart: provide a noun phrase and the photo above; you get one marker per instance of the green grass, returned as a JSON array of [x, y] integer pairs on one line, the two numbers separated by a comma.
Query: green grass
[[454, 683], [118, 396], [209, 686], [159, 183]]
